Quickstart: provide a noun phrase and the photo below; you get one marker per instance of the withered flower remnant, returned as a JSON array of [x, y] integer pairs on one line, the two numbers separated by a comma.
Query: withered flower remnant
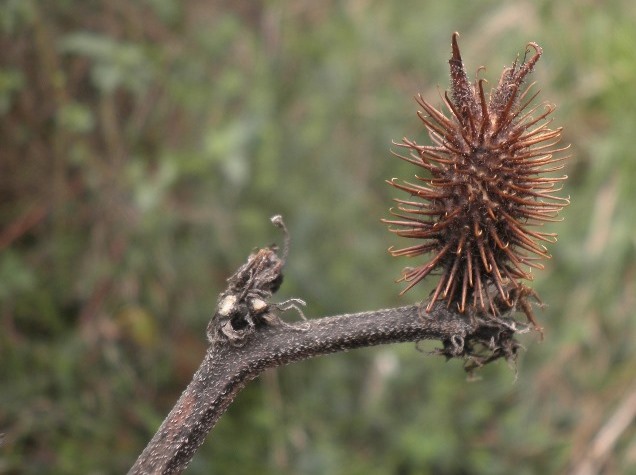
[[486, 186]]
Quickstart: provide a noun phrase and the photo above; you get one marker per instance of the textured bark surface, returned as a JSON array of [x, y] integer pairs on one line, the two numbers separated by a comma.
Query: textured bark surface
[[227, 368], [247, 336]]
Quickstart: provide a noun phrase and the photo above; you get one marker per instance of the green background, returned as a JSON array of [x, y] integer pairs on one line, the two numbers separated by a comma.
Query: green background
[[144, 146]]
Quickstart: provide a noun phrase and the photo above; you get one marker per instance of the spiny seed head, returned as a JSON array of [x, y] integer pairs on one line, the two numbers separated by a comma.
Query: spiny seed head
[[484, 191]]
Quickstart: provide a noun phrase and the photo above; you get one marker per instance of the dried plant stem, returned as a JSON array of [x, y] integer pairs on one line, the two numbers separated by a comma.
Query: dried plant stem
[[247, 337], [227, 368], [600, 448]]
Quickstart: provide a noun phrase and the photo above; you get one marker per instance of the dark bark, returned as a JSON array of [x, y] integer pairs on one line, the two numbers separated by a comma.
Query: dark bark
[[248, 337]]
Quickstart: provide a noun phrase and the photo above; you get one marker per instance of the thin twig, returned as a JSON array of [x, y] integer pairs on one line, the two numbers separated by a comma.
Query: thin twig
[[600, 448], [226, 369], [247, 336]]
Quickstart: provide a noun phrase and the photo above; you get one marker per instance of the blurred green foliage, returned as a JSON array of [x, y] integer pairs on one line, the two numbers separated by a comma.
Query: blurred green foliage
[[145, 144]]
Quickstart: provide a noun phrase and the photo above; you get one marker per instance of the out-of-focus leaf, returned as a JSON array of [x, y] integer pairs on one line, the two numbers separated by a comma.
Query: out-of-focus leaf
[[115, 63]]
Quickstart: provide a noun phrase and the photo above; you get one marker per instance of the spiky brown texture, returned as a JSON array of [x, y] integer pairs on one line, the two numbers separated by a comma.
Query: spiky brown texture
[[483, 191]]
